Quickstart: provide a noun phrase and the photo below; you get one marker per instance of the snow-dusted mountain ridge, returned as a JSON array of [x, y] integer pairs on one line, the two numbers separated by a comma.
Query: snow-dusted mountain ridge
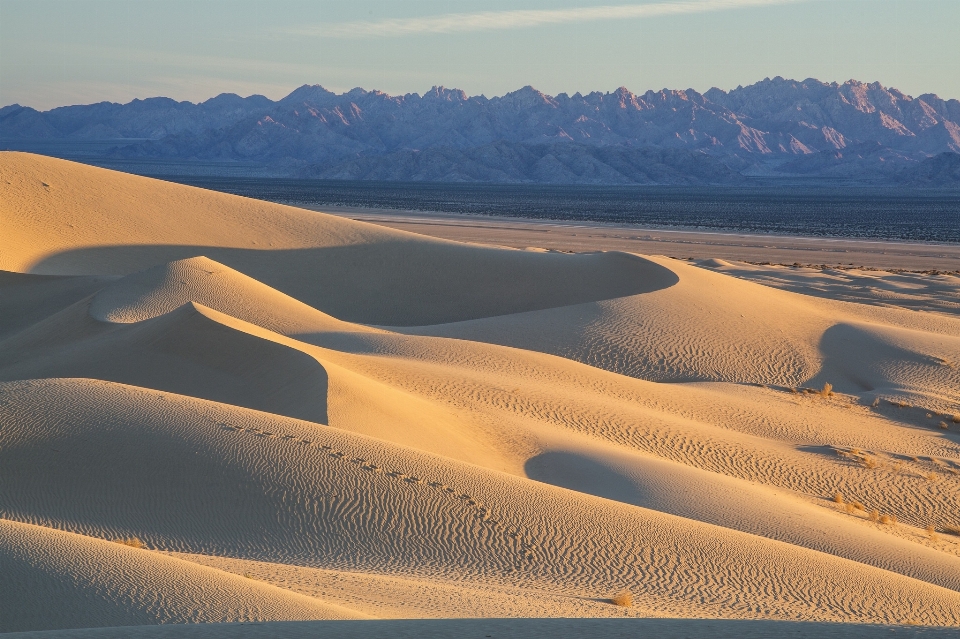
[[774, 127]]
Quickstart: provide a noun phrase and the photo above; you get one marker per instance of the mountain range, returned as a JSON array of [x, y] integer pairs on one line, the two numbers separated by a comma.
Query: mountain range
[[776, 128]]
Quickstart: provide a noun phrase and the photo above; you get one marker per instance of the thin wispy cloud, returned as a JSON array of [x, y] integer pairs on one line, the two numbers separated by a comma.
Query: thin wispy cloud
[[524, 18]]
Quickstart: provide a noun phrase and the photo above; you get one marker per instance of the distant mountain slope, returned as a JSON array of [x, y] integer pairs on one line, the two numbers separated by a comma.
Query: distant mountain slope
[[774, 127]]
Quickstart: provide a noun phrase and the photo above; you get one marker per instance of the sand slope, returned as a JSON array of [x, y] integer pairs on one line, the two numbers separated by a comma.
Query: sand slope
[[54, 579], [505, 629], [361, 504], [374, 422], [93, 221], [708, 327]]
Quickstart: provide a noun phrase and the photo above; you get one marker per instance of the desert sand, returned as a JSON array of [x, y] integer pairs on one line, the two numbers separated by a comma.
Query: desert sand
[[299, 418]]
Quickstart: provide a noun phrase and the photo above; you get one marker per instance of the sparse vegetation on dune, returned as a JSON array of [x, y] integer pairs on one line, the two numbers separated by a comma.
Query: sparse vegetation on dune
[[624, 599], [853, 506], [133, 542]]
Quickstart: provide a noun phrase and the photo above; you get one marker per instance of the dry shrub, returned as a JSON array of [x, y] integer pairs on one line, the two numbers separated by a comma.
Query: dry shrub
[[827, 389], [133, 542], [870, 462], [876, 402], [943, 426], [930, 477], [857, 505], [956, 419], [837, 498], [793, 389], [932, 533], [874, 515], [889, 520], [623, 599]]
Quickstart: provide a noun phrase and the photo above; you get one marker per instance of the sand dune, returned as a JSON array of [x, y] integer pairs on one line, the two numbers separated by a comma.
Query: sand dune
[[189, 350], [27, 299], [504, 628], [365, 505], [930, 291], [711, 328], [55, 579], [371, 422], [64, 218], [161, 289]]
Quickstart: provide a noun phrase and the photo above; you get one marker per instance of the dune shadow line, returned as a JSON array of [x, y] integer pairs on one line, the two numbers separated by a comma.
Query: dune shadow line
[[401, 282]]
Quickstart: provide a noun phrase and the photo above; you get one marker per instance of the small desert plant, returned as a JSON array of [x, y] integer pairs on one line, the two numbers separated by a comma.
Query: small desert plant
[[932, 533], [869, 462], [876, 402], [837, 498], [133, 542], [943, 426], [623, 599], [955, 419], [874, 515], [248, 575], [793, 389], [889, 520], [930, 477], [857, 505], [827, 389]]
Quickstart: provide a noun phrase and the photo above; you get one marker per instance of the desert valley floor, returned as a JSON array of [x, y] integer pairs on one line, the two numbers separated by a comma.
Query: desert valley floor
[[293, 416]]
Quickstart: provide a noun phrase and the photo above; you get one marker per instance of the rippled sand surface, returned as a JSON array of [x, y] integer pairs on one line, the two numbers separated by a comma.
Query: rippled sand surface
[[289, 416]]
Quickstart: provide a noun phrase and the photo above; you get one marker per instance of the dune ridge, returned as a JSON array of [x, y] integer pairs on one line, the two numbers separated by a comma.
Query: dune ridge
[[470, 428]]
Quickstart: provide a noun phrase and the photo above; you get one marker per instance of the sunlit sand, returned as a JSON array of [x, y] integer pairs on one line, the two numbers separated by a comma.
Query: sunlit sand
[[294, 416]]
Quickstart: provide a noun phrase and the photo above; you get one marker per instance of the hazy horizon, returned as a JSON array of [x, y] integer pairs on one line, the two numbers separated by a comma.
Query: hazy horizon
[[635, 91], [55, 53]]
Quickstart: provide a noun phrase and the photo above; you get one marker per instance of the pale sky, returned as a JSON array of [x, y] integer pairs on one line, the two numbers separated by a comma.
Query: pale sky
[[57, 52]]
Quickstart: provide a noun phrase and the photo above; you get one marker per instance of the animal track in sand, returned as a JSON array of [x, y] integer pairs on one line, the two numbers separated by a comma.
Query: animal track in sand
[[524, 549]]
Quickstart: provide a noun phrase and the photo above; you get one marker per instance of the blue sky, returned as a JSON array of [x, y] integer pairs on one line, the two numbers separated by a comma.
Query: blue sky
[[54, 53]]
